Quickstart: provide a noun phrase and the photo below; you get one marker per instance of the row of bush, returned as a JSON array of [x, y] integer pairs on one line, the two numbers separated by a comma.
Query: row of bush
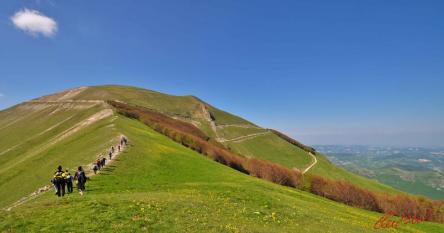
[[399, 205], [192, 137], [340, 191]]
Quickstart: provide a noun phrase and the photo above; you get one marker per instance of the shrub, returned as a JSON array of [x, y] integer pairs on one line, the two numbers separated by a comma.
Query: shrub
[[273, 172], [407, 205], [344, 192]]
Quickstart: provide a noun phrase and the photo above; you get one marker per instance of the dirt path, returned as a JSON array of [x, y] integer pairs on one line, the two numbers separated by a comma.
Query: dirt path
[[239, 126], [243, 138], [311, 165], [46, 188]]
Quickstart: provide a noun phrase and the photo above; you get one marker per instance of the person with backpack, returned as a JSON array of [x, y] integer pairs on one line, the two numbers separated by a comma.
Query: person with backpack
[[59, 181], [81, 178], [95, 168], [68, 180]]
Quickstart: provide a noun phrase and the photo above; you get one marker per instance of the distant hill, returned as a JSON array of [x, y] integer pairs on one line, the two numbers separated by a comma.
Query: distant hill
[[411, 169]]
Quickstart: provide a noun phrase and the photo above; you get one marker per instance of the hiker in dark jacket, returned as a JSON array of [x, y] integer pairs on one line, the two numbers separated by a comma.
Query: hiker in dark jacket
[[68, 180], [99, 164], [110, 155], [59, 181], [81, 178], [103, 162], [112, 150], [95, 168]]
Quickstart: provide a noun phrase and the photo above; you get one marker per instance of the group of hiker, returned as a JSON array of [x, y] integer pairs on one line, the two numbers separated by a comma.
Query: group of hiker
[[62, 179], [101, 161]]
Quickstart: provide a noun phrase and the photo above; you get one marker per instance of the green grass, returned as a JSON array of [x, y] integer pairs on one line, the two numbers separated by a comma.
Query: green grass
[[225, 118], [175, 105], [231, 132], [157, 185], [34, 155], [188, 108], [273, 148]]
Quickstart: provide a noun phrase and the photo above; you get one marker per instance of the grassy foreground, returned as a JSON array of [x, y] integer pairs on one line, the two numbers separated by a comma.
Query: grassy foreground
[[157, 185]]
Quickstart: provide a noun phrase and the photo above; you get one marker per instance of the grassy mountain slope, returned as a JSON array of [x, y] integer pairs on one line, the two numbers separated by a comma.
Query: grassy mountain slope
[[44, 135], [76, 105], [271, 147], [227, 126], [157, 185]]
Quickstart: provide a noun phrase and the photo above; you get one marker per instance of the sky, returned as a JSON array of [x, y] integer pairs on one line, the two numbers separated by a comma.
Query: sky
[[325, 72]]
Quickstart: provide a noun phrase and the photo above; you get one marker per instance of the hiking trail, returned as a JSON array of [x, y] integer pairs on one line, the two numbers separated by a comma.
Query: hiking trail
[[311, 165], [243, 138]]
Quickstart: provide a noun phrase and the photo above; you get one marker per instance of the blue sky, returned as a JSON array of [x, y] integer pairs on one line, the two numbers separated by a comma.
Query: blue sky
[[325, 72]]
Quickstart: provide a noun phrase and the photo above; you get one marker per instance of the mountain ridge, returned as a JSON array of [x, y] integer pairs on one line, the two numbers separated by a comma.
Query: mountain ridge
[[22, 124]]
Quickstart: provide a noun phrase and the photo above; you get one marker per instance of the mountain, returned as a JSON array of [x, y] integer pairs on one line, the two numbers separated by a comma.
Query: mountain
[[157, 184]]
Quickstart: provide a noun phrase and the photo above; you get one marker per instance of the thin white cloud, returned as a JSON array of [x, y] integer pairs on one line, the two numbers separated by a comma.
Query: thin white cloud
[[34, 23]]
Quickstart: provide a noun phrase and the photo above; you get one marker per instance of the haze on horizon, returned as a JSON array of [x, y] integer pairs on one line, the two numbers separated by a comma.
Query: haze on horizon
[[342, 72]]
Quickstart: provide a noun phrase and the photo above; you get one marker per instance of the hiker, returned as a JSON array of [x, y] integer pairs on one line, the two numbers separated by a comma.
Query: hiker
[[103, 161], [125, 141], [118, 147], [110, 155], [112, 150], [99, 164], [80, 178], [59, 180], [95, 168], [68, 179]]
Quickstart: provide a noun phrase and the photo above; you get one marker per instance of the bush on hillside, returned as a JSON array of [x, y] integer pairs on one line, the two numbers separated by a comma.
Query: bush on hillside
[[273, 172], [399, 205], [344, 192]]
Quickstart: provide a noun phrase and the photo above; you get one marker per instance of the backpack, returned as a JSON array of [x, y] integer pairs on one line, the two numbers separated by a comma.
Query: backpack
[[68, 178], [58, 176], [81, 177]]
